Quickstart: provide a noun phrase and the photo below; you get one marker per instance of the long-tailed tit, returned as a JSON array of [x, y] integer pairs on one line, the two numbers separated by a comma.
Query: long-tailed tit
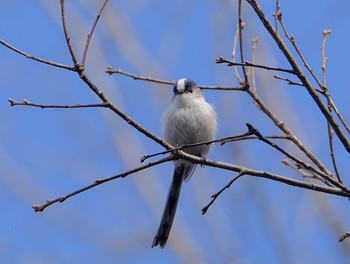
[[189, 119]]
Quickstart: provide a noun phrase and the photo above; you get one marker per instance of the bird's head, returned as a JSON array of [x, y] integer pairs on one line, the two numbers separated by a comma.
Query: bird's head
[[184, 86]]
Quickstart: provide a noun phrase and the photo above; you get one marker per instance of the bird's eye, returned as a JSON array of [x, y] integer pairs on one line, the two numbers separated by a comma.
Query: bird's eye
[[188, 86]]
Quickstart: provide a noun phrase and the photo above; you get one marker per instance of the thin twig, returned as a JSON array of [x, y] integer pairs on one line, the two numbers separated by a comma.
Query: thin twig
[[40, 208], [25, 102], [216, 195], [240, 29], [330, 131], [325, 91], [221, 59], [111, 71], [233, 55], [91, 33], [55, 64], [66, 35], [277, 15], [289, 81], [183, 147], [331, 150], [305, 173], [255, 43]]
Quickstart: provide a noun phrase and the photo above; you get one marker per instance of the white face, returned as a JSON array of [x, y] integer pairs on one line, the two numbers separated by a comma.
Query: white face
[[181, 85]]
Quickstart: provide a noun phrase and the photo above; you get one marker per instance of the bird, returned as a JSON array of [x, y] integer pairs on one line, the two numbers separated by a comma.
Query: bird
[[188, 119]]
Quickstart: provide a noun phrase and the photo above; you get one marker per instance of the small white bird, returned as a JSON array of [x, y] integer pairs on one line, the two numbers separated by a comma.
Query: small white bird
[[188, 119]]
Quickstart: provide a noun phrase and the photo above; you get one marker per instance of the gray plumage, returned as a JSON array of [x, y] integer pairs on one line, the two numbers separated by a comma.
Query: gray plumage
[[188, 119]]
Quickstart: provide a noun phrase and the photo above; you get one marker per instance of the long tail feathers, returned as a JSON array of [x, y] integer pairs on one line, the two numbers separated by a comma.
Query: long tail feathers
[[170, 208]]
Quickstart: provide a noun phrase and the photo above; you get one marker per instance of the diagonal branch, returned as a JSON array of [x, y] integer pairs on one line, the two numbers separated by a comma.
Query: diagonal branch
[[298, 71], [221, 59], [91, 33], [28, 56], [40, 208]]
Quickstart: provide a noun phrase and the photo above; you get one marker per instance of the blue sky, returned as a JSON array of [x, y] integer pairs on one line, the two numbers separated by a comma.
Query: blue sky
[[47, 153]]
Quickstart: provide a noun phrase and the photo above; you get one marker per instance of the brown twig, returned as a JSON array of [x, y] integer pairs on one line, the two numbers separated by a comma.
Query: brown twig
[[25, 102], [183, 147], [28, 56], [221, 59], [289, 81], [66, 35], [40, 208], [233, 55], [91, 33], [240, 30], [111, 71], [305, 173], [216, 195], [330, 131]]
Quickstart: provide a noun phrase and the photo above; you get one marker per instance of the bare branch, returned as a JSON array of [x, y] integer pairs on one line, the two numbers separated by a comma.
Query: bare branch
[[301, 163], [28, 56], [111, 71], [221, 59], [298, 71], [216, 195], [175, 149], [91, 33], [233, 55], [25, 102], [240, 29], [40, 208], [290, 82], [66, 35]]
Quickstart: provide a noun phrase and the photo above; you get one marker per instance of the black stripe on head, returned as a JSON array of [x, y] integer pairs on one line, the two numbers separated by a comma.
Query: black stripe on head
[[184, 85]]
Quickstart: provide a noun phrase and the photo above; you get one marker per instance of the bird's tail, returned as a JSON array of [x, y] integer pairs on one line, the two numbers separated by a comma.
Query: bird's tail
[[170, 208]]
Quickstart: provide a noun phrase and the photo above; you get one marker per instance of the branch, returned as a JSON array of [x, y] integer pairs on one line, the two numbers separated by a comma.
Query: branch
[[40, 208], [221, 59], [91, 33], [300, 163], [290, 82], [66, 35], [240, 30], [28, 56], [182, 147], [83, 76], [261, 174], [110, 70], [282, 46], [27, 103], [216, 195]]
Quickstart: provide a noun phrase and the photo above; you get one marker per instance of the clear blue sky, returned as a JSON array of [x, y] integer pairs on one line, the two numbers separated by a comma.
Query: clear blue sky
[[46, 153]]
